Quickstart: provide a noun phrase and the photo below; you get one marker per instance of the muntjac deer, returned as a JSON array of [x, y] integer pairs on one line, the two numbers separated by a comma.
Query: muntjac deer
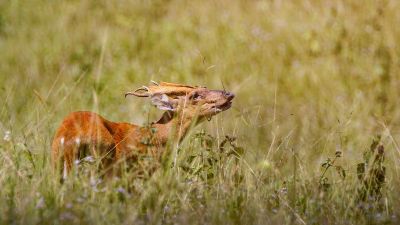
[[83, 134]]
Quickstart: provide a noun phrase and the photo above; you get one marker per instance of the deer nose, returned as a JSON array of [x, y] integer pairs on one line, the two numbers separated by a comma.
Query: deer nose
[[229, 95]]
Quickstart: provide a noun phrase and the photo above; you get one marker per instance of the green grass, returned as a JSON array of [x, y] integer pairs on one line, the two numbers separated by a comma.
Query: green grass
[[311, 78]]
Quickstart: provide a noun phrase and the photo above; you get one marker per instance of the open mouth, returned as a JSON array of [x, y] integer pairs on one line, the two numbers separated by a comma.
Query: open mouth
[[226, 105], [223, 107]]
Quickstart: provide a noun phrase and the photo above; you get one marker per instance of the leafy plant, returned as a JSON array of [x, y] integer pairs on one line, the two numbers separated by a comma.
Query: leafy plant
[[324, 183], [208, 157], [372, 173]]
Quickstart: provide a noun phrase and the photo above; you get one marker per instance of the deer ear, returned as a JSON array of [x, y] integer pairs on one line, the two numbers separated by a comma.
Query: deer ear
[[162, 102]]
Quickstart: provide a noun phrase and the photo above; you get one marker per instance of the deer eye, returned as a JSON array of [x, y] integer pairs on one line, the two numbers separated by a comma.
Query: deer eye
[[195, 96]]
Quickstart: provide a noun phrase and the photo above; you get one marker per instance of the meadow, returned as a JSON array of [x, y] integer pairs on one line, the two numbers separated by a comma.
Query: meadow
[[312, 137]]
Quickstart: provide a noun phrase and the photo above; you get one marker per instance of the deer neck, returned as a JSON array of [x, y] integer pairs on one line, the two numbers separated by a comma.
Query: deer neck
[[172, 126]]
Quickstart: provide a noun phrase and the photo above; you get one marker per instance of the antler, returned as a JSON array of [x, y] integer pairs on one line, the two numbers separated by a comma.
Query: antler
[[176, 85], [138, 92], [170, 89]]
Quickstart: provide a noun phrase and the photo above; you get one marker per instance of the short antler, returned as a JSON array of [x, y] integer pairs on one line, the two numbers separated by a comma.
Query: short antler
[[139, 92], [170, 89]]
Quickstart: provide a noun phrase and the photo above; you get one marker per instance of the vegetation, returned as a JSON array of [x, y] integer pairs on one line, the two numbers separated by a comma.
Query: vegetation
[[312, 137]]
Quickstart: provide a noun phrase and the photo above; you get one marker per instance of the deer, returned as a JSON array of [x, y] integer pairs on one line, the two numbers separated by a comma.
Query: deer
[[85, 133]]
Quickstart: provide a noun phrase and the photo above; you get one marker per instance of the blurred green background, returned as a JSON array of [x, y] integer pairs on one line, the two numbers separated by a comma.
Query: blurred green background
[[311, 77]]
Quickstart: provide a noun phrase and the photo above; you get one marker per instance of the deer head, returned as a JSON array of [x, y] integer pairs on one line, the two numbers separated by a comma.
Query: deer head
[[188, 101]]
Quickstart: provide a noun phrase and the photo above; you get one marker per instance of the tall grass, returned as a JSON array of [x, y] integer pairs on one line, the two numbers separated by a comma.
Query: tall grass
[[312, 79]]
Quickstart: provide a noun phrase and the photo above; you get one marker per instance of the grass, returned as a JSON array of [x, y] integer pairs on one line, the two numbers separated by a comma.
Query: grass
[[315, 82]]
